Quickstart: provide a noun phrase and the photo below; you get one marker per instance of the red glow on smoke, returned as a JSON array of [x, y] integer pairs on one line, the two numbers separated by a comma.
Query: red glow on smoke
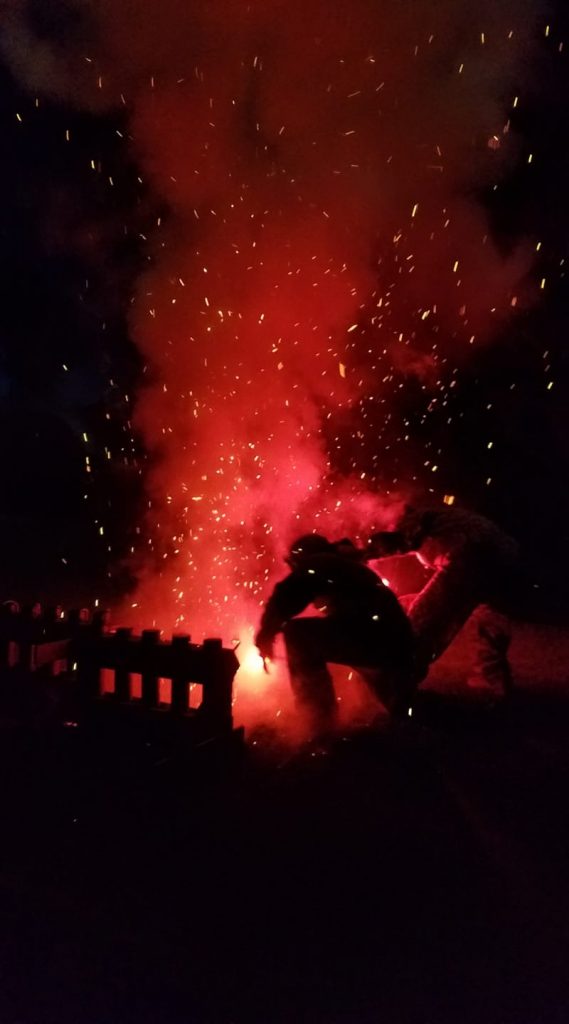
[[321, 248]]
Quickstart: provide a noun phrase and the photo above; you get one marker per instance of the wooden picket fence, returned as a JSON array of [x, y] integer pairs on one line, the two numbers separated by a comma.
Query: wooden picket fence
[[114, 672]]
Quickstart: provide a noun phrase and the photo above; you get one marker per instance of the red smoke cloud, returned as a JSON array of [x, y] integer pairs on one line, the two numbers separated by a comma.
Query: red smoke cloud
[[319, 162]]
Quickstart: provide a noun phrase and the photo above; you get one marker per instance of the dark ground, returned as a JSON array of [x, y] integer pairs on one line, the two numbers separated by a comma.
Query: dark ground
[[409, 874]]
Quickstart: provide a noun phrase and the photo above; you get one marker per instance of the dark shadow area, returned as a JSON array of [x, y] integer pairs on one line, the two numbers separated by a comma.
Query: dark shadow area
[[413, 872]]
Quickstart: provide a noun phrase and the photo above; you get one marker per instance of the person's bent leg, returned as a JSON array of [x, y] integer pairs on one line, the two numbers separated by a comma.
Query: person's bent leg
[[311, 682], [491, 668], [394, 685], [440, 611]]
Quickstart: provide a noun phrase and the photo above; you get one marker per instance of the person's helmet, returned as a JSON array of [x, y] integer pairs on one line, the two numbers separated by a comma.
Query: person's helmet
[[346, 547], [308, 544], [386, 544]]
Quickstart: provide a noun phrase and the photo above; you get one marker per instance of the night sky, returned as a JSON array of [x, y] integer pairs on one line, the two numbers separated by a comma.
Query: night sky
[[69, 253], [79, 217]]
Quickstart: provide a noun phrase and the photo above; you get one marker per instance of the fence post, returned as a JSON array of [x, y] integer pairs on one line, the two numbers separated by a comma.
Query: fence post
[[122, 674], [180, 647], [88, 635], [9, 628], [30, 623], [219, 671], [55, 621], [149, 642]]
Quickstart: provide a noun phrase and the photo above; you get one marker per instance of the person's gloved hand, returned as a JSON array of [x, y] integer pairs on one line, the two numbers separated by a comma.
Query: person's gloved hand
[[265, 643]]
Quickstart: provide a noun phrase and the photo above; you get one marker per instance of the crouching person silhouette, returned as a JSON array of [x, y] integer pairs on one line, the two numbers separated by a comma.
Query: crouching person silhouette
[[362, 626]]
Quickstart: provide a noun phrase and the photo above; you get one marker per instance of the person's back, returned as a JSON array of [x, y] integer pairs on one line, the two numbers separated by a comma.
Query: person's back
[[444, 535], [338, 587]]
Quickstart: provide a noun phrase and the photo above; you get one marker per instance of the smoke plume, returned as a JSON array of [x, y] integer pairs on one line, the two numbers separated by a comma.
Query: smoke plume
[[320, 163]]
